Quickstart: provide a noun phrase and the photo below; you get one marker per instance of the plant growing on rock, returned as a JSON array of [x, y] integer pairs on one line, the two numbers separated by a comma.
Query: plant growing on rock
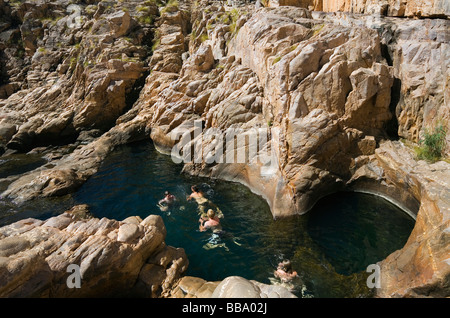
[[432, 144], [171, 6], [203, 38]]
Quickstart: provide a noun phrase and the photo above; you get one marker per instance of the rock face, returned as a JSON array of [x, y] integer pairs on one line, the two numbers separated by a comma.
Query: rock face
[[115, 258], [321, 90], [418, 53]]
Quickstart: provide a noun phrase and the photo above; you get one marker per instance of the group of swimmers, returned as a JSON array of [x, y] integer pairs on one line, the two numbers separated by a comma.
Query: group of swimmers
[[210, 216]]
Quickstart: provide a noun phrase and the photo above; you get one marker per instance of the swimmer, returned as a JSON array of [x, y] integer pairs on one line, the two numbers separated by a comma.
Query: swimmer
[[169, 199], [213, 222], [197, 195], [203, 203], [284, 271], [165, 203]]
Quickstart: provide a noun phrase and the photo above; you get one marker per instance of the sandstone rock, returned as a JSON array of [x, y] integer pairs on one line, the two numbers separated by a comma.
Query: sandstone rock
[[193, 287], [230, 287], [128, 232], [35, 255], [238, 287], [405, 8], [204, 58]]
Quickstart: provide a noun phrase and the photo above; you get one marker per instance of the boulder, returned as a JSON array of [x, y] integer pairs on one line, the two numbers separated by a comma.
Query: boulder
[[114, 258]]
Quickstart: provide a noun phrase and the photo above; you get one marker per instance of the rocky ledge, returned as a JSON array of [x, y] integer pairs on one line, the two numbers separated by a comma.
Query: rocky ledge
[[115, 258]]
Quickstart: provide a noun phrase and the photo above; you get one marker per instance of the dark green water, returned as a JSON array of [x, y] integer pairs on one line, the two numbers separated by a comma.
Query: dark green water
[[330, 247]]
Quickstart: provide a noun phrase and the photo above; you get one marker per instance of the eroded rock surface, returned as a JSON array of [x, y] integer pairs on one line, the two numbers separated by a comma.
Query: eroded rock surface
[[115, 258]]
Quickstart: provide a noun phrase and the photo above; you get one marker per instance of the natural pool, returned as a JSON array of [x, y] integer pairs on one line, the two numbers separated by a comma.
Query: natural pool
[[330, 247]]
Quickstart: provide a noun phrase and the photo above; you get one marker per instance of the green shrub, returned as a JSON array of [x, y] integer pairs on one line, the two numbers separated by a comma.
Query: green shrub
[[432, 145], [203, 38], [155, 45], [171, 4]]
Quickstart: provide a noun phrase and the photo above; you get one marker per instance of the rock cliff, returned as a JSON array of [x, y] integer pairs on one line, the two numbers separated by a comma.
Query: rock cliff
[[325, 93]]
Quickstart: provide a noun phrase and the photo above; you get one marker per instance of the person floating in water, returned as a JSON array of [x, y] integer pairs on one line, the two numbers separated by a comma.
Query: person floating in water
[[285, 272], [167, 202], [285, 276], [203, 203], [212, 222]]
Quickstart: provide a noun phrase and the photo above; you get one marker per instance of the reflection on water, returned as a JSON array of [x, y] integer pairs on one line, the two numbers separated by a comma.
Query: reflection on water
[[13, 165], [19, 163], [330, 247]]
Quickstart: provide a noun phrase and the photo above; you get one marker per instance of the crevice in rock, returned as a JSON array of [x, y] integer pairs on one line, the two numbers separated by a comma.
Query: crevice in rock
[[133, 95], [392, 126]]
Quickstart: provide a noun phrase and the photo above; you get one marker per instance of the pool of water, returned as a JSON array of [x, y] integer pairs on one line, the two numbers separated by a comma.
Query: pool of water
[[330, 247]]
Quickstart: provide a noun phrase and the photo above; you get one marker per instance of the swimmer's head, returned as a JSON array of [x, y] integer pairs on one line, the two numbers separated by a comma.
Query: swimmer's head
[[211, 213], [194, 188], [166, 193], [285, 265]]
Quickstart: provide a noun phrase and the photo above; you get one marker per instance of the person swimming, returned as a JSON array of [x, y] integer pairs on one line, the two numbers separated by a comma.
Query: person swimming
[[285, 272], [169, 199], [212, 222], [204, 204], [167, 202]]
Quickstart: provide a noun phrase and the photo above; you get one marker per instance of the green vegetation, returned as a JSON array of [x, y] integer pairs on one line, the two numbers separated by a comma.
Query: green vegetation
[[317, 28], [171, 4], [432, 145], [276, 60], [73, 62], [156, 43], [293, 47], [142, 9], [203, 38], [158, 3], [145, 19]]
